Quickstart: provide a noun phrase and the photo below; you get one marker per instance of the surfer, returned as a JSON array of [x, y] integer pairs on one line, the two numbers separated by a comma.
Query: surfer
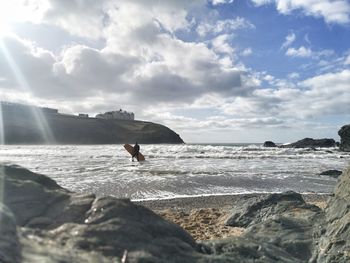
[[136, 152]]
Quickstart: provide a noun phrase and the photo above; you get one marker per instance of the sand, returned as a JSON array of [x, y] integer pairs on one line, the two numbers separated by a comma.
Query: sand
[[204, 217]]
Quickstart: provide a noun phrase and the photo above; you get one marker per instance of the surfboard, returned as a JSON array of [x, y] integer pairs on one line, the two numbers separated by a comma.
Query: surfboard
[[130, 150]]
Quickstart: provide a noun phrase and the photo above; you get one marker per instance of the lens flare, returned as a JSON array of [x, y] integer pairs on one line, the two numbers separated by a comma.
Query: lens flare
[[39, 118], [2, 128]]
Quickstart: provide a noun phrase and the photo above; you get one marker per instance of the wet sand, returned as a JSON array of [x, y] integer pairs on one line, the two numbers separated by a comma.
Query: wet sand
[[204, 217]]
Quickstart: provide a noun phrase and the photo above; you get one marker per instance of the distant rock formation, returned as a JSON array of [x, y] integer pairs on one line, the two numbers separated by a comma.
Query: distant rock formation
[[344, 134], [269, 144], [311, 143], [332, 173], [32, 125]]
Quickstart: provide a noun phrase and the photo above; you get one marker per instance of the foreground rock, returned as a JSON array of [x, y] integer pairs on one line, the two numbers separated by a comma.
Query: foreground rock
[[311, 143], [334, 244], [43, 222], [82, 224], [281, 222], [344, 134]]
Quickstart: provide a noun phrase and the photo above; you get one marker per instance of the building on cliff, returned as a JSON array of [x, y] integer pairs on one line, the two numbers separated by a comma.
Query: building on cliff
[[119, 115]]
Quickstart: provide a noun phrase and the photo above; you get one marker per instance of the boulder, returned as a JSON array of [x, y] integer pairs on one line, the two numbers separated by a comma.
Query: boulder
[[334, 243], [83, 223], [43, 222], [344, 134], [254, 210], [311, 143], [269, 144], [280, 229], [332, 173], [9, 244]]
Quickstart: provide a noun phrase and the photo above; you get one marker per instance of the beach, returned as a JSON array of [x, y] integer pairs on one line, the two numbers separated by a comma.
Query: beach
[[204, 217]]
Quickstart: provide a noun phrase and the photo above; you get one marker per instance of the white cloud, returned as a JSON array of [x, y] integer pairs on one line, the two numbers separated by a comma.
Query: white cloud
[[347, 60], [219, 2], [228, 26], [304, 52], [332, 11], [294, 75], [247, 52], [290, 38], [221, 44]]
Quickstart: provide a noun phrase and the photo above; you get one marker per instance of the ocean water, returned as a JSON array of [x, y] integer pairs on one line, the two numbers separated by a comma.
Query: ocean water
[[180, 170]]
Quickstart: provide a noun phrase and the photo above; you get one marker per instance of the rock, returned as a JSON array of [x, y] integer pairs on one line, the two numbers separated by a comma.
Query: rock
[[9, 245], [332, 173], [254, 210], [344, 134], [334, 243], [75, 222], [280, 229], [311, 143], [269, 144], [283, 223], [43, 222]]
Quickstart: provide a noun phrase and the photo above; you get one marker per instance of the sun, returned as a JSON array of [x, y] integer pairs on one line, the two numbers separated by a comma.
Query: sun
[[16, 11]]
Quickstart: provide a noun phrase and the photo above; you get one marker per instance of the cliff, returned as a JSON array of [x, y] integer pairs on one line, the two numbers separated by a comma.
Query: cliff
[[32, 125]]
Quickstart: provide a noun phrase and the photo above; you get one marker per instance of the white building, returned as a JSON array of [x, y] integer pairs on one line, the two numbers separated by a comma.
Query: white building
[[116, 115]]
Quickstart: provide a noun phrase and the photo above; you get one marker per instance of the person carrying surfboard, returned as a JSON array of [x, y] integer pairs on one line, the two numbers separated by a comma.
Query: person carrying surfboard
[[136, 152]]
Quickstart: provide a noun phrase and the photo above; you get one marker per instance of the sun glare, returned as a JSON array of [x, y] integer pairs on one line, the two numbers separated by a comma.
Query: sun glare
[[39, 117], [2, 130], [13, 11]]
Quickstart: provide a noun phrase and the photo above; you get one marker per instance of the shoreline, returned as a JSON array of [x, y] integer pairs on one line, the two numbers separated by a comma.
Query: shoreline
[[204, 217], [214, 201]]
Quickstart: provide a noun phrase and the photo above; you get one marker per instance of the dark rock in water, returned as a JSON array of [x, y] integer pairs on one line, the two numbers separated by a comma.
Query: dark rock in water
[[269, 144], [334, 244], [332, 173], [311, 143], [344, 134]]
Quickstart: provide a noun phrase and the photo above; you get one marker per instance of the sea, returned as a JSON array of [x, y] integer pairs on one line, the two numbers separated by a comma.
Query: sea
[[182, 170]]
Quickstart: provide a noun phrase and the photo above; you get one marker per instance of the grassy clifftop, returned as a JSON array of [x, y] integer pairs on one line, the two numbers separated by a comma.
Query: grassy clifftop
[[29, 127]]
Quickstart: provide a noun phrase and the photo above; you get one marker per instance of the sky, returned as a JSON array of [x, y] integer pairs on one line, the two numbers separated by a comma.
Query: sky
[[218, 71]]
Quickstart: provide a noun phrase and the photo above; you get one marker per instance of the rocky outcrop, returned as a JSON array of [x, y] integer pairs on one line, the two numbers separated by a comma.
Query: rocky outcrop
[[269, 144], [33, 126], [43, 222], [334, 243], [344, 134], [332, 173], [50, 216], [311, 143], [280, 222], [255, 210]]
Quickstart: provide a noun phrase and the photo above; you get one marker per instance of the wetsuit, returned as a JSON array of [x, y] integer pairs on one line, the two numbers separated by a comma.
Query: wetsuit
[[136, 152]]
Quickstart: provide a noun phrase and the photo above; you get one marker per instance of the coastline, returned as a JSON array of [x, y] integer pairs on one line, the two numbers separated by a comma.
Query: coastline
[[214, 201], [204, 217]]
